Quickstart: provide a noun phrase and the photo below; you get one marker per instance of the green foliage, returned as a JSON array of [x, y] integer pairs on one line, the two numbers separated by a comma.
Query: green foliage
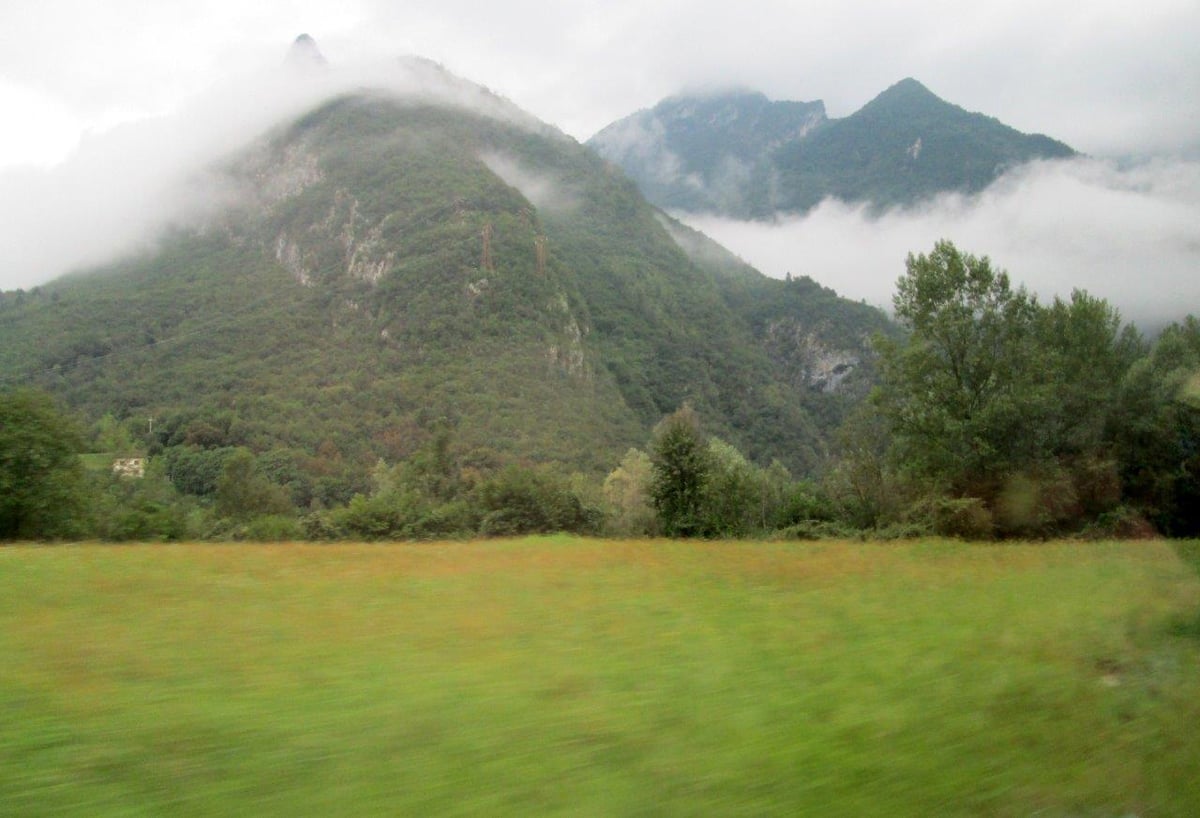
[[521, 500], [701, 486], [145, 509], [733, 493], [996, 403], [681, 470], [272, 528], [864, 485], [955, 393], [41, 477], [110, 435], [968, 518], [1157, 431], [243, 492], [626, 489], [196, 471], [445, 490]]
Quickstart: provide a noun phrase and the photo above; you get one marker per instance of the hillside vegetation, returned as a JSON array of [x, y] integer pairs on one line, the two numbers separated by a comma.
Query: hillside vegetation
[[419, 317], [396, 265]]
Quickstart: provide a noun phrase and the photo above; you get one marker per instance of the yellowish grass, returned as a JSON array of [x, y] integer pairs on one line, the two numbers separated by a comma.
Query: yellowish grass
[[565, 676]]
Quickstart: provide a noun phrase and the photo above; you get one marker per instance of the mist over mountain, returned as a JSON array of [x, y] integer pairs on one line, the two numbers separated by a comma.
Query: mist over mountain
[[740, 155], [305, 55], [420, 255], [122, 187], [845, 200]]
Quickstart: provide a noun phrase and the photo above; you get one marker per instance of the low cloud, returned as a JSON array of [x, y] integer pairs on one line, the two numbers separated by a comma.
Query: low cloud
[[543, 191], [118, 190], [1128, 234]]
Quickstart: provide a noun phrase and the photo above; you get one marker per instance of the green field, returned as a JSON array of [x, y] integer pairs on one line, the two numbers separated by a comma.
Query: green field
[[562, 676]]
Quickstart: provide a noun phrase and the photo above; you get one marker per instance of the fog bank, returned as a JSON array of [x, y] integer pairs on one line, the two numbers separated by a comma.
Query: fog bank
[[1128, 234]]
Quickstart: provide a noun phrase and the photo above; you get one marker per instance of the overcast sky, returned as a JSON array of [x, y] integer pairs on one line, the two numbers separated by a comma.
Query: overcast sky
[[1111, 79]]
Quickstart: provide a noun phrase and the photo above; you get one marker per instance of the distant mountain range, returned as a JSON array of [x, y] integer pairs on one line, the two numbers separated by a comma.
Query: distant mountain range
[[396, 263], [741, 155]]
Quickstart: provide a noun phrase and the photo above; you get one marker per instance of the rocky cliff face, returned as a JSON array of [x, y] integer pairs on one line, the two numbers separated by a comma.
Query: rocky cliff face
[[805, 359]]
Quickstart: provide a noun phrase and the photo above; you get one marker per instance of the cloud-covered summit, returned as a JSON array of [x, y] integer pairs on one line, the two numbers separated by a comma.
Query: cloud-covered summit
[[305, 55], [122, 187], [741, 155]]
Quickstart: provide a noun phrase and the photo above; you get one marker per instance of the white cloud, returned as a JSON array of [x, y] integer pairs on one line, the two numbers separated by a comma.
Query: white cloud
[[1108, 78], [541, 189], [1131, 236], [39, 130], [121, 187]]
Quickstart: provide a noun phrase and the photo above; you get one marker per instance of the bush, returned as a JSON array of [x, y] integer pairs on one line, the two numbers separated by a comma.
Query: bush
[[1037, 503], [243, 492], [520, 500], [1122, 523], [816, 530], [273, 528], [147, 522], [451, 519], [381, 516], [965, 517], [319, 526]]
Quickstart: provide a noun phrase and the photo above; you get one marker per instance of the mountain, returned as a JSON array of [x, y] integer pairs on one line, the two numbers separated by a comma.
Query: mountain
[[708, 154], [741, 155], [395, 264], [305, 55]]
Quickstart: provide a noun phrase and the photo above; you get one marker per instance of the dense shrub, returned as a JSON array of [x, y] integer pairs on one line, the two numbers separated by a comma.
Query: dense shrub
[[522, 500], [965, 517]]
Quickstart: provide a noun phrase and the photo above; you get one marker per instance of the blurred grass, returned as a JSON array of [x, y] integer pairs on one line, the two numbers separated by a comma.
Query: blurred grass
[[561, 676], [1189, 552]]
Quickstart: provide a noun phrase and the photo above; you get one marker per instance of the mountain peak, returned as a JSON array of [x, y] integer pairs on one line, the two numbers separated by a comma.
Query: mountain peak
[[907, 92], [741, 155], [305, 54], [909, 85]]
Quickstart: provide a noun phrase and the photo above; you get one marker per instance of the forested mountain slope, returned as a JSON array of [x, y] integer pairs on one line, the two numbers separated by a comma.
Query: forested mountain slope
[[393, 265]]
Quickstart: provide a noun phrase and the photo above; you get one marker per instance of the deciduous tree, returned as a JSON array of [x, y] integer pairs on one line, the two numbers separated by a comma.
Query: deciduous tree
[[952, 392], [993, 396], [681, 470], [41, 479]]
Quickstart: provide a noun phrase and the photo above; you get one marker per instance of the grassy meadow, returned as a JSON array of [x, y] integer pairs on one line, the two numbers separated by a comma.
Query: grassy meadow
[[566, 676]]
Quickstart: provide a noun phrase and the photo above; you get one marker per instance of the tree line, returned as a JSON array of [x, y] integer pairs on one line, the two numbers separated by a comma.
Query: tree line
[[994, 416]]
